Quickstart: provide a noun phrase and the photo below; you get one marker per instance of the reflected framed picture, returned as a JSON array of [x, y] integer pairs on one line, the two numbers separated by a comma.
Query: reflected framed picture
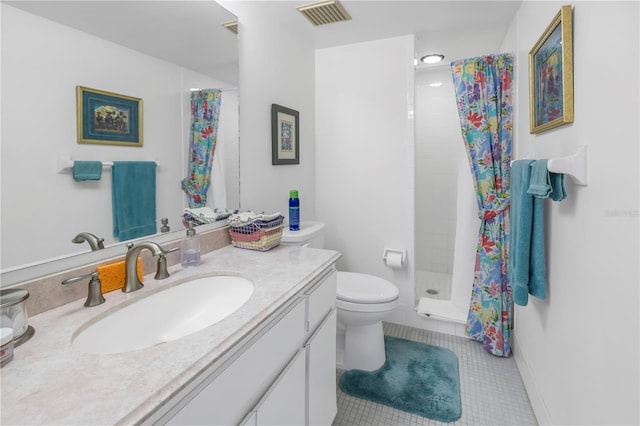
[[551, 75], [285, 135], [108, 118]]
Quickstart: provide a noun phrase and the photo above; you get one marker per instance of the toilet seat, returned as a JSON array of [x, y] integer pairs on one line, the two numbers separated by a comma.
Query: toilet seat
[[356, 288], [366, 307]]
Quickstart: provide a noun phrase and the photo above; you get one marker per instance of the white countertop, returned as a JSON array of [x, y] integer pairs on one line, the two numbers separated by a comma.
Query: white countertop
[[49, 382]]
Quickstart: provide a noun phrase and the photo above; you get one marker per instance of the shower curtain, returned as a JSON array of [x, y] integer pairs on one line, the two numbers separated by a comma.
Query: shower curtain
[[205, 111], [485, 107]]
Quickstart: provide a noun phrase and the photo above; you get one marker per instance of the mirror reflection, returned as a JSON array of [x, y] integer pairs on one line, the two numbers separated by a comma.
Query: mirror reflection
[[49, 48]]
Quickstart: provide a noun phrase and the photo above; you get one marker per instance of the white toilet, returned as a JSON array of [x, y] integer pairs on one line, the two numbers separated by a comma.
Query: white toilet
[[362, 302]]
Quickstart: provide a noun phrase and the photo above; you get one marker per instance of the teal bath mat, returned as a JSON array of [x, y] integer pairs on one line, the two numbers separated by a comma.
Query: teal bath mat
[[416, 378]]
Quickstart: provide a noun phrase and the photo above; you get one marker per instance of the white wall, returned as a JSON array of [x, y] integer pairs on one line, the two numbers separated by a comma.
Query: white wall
[[578, 349], [276, 67], [438, 150], [42, 63], [364, 93]]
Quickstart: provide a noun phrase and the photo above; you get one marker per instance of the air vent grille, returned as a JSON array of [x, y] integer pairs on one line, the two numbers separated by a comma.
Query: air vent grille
[[325, 12], [231, 26]]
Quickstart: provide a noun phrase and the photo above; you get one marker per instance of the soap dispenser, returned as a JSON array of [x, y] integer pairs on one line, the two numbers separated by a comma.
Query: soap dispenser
[[190, 248]]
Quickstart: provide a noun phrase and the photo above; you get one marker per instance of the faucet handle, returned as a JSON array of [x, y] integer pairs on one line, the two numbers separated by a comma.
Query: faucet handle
[[94, 296], [161, 269]]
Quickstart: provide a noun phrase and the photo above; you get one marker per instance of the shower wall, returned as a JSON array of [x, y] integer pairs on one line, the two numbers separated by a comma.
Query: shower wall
[[438, 152]]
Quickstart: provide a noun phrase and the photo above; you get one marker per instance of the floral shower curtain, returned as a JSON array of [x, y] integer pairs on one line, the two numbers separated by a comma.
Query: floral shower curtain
[[205, 111], [485, 107]]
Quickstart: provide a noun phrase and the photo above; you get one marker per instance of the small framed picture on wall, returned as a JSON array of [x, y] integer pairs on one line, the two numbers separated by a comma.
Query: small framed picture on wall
[[285, 135]]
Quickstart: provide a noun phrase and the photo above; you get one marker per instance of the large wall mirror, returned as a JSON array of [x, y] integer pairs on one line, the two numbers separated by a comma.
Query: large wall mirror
[[154, 50]]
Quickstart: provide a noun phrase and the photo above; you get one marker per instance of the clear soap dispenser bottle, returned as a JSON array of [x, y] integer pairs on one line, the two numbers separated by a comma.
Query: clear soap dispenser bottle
[[190, 248]]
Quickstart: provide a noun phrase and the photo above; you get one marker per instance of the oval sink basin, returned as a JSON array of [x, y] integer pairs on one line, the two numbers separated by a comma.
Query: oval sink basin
[[167, 315]]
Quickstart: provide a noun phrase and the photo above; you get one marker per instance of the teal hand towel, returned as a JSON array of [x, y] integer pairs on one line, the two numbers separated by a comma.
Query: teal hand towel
[[545, 184], [87, 170], [558, 191], [539, 183], [134, 199], [526, 267]]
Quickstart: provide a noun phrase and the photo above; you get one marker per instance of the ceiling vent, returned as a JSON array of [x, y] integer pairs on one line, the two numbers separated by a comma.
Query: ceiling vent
[[231, 26], [325, 12]]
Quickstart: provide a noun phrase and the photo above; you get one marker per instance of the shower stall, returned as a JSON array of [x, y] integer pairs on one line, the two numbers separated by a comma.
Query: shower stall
[[446, 220]]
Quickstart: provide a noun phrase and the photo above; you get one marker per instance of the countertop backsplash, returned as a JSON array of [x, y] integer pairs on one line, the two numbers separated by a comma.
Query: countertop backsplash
[[47, 292]]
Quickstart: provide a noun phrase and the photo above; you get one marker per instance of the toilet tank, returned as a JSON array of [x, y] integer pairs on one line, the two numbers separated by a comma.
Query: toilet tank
[[311, 234]]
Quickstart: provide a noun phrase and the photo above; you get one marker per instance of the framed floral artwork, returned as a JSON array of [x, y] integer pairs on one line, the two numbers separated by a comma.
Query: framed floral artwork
[[285, 135], [551, 75]]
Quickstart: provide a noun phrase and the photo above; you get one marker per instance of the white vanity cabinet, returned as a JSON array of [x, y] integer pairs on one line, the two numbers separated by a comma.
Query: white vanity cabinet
[[282, 373]]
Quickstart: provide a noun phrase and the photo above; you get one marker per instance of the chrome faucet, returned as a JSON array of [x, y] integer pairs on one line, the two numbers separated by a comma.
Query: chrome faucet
[[96, 243], [132, 283]]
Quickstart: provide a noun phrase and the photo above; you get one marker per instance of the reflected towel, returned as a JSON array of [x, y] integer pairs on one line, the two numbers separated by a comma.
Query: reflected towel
[[87, 170], [134, 199], [527, 267]]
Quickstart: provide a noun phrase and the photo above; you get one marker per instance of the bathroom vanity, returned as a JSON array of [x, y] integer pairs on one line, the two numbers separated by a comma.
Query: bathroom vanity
[[272, 361]]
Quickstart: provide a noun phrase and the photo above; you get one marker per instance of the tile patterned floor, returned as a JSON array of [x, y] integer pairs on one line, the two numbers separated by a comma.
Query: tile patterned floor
[[491, 389]]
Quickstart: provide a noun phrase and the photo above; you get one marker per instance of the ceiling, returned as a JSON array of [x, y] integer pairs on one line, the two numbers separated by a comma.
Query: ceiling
[[457, 29], [183, 32]]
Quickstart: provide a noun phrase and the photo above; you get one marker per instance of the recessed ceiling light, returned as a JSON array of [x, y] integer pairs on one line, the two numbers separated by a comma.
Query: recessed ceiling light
[[432, 58]]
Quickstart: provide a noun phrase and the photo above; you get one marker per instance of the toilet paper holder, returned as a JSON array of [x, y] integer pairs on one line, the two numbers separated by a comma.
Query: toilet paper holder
[[390, 257]]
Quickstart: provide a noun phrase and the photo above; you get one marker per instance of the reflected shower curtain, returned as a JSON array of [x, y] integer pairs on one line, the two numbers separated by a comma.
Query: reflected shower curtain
[[485, 107], [205, 111]]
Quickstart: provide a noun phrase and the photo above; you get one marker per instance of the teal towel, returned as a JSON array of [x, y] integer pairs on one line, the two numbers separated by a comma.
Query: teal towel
[[558, 191], [134, 199], [87, 170], [526, 267], [539, 184], [545, 184]]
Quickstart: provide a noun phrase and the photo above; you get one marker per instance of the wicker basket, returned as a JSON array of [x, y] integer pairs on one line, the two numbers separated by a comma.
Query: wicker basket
[[259, 235]]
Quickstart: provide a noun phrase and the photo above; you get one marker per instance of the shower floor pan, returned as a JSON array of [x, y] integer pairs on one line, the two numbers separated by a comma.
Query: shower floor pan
[[444, 310]]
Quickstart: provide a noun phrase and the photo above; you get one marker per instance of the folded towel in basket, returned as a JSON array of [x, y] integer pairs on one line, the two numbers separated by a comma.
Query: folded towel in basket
[[258, 219], [253, 236]]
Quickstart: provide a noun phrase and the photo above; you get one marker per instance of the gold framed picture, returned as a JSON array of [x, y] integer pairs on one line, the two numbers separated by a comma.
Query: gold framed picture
[[551, 75], [108, 118]]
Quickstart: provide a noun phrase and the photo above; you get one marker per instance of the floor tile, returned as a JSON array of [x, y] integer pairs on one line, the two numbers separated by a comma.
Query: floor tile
[[491, 389]]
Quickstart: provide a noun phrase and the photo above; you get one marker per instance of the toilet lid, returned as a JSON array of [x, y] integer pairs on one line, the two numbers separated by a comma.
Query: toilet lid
[[363, 288]]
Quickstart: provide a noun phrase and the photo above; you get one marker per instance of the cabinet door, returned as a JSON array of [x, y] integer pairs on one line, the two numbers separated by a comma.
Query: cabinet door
[[321, 373], [284, 402]]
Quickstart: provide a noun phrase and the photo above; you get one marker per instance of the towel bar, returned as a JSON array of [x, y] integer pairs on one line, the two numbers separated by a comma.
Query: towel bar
[[65, 165], [574, 165]]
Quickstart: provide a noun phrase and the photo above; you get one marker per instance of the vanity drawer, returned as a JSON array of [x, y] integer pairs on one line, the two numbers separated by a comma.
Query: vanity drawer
[[320, 300]]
